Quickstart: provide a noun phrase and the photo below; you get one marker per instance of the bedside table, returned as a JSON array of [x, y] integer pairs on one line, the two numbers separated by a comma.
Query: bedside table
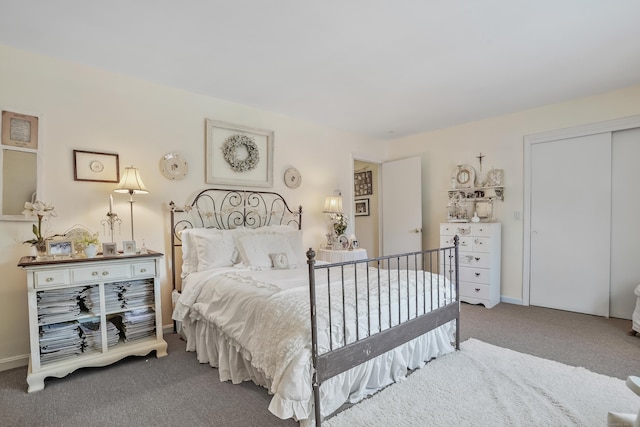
[[91, 312], [332, 256]]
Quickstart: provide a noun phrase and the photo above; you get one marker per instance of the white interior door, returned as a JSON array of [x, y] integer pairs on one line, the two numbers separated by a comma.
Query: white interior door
[[401, 206], [571, 223], [625, 232]]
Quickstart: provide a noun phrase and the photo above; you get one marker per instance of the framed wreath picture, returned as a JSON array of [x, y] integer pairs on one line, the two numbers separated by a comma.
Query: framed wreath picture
[[238, 155]]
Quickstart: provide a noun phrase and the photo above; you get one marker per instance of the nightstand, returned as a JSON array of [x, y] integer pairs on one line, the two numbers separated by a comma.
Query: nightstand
[[332, 256], [91, 312]]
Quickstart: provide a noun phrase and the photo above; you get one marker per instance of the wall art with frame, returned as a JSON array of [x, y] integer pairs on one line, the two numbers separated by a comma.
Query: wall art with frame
[[238, 155], [362, 183], [95, 166], [362, 207], [19, 130]]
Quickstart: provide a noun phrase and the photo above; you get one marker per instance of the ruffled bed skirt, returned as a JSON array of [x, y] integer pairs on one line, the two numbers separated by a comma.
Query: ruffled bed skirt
[[293, 397]]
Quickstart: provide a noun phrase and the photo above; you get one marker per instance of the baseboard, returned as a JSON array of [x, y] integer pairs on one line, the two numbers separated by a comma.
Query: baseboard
[[509, 300], [167, 329], [14, 362]]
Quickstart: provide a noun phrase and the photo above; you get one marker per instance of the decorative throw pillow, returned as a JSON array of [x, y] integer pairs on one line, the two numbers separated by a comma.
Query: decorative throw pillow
[[280, 261]]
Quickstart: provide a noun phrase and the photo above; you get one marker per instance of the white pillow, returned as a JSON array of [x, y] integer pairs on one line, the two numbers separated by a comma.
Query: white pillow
[[189, 254], [255, 249], [293, 236], [215, 248]]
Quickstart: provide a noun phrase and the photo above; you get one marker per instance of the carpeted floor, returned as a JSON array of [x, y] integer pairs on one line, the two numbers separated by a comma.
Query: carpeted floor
[[177, 390], [488, 385]]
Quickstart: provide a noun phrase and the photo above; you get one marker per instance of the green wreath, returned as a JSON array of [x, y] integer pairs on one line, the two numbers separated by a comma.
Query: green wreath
[[230, 152]]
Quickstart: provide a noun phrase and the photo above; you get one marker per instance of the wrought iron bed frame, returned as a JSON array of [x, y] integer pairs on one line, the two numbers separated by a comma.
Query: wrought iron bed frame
[[335, 361], [226, 209]]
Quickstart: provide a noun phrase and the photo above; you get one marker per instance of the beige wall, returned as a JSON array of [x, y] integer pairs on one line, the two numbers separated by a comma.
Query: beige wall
[[89, 109], [500, 139]]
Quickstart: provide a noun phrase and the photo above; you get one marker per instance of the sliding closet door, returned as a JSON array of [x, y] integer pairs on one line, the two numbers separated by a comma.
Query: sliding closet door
[[570, 224], [625, 231]]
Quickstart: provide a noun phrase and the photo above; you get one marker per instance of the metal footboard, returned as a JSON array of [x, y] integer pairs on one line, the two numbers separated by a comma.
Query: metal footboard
[[362, 309]]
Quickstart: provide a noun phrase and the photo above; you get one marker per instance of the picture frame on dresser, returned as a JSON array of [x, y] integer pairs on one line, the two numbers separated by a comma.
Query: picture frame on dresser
[[109, 249], [59, 248], [128, 247]]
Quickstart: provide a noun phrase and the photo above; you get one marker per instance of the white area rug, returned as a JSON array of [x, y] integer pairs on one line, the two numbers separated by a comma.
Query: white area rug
[[485, 385]]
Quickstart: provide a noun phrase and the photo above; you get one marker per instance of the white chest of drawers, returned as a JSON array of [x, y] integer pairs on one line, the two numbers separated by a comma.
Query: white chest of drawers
[[479, 260], [91, 312]]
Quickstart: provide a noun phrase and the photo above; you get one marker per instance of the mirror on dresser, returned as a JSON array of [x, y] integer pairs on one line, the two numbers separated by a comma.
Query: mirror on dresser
[[20, 163]]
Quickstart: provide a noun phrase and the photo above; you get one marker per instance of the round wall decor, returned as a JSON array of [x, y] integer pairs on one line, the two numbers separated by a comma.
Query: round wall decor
[[173, 166], [292, 178], [230, 152]]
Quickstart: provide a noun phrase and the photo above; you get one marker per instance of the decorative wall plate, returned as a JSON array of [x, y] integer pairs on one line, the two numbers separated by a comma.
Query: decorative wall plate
[[173, 166], [292, 178]]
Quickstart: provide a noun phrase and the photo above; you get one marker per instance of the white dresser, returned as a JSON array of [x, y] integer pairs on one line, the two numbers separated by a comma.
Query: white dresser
[[91, 312], [479, 260]]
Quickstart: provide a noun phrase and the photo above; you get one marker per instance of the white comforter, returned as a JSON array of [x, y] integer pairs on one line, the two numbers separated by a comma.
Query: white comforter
[[264, 316]]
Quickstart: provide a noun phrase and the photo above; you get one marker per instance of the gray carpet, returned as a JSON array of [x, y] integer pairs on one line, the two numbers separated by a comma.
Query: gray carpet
[[177, 390]]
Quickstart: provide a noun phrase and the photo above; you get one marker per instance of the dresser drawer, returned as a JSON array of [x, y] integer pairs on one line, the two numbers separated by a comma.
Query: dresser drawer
[[481, 230], [101, 273], [475, 259], [475, 275], [474, 290], [49, 278], [144, 269], [455, 229], [465, 243], [481, 244]]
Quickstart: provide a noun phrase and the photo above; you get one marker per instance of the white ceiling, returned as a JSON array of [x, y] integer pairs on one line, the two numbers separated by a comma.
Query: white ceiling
[[381, 68]]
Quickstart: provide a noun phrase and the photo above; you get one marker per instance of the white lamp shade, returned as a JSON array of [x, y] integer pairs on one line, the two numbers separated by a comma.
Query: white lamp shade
[[333, 204], [131, 182]]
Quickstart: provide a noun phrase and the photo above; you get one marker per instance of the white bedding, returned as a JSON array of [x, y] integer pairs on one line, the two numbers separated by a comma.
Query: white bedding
[[254, 325]]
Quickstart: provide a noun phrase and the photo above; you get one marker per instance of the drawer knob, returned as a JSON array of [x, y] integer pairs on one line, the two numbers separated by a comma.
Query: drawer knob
[[49, 279], [477, 258], [95, 273], [143, 270], [477, 289], [105, 273], [477, 274]]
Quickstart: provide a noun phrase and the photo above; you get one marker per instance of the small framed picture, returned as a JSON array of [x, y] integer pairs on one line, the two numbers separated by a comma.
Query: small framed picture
[[19, 130], [94, 166], [129, 247], [60, 248], [109, 249], [362, 207]]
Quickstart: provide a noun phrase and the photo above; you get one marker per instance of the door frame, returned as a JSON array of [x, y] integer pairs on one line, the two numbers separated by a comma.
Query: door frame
[[529, 140]]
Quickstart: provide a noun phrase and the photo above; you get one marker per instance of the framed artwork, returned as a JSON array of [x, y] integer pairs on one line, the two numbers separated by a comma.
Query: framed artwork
[[362, 207], [95, 166], [19, 130], [362, 183], [109, 249], [238, 155], [129, 247], [58, 248]]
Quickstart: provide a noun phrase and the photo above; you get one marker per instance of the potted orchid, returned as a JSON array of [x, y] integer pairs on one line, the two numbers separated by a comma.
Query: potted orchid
[[42, 211]]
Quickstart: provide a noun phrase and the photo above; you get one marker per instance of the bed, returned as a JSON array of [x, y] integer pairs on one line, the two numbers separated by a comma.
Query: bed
[[251, 302]]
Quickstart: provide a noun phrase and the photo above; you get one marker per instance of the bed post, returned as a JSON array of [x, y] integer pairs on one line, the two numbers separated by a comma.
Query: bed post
[[311, 261], [456, 241]]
